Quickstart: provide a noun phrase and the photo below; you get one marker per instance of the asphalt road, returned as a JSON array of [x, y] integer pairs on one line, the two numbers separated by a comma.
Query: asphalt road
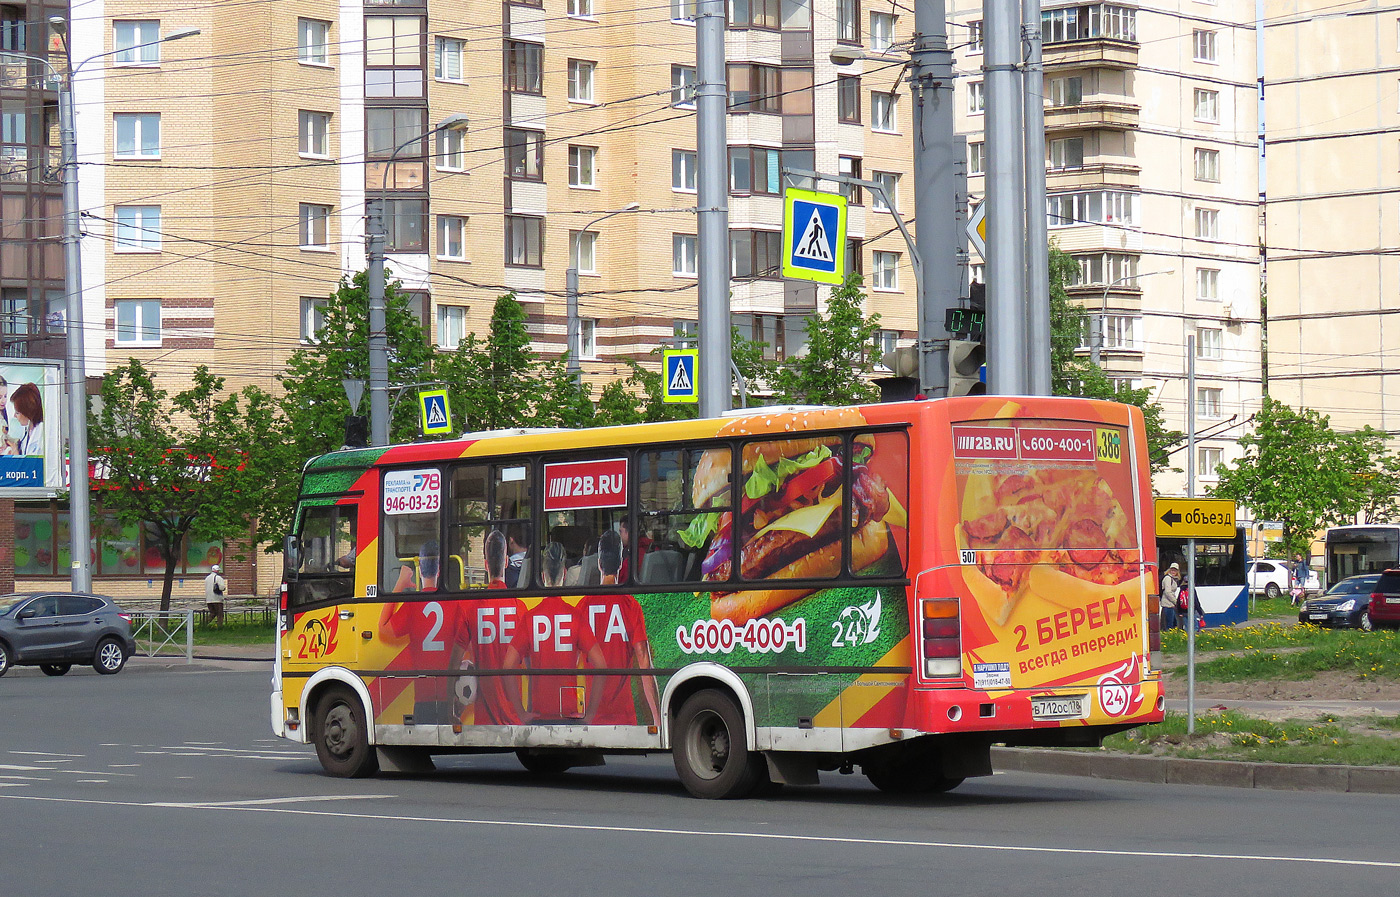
[[164, 782]]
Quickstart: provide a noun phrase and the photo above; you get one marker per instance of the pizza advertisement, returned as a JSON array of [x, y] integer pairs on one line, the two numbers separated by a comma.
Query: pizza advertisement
[[1049, 540]]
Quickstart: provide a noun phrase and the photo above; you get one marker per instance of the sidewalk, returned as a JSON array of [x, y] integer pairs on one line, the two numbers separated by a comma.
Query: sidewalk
[[206, 658]]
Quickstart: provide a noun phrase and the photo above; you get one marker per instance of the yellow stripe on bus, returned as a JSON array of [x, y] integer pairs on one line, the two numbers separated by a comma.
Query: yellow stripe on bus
[[870, 689]]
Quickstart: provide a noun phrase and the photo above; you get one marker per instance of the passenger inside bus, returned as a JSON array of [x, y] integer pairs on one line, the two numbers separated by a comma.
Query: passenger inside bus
[[497, 557]]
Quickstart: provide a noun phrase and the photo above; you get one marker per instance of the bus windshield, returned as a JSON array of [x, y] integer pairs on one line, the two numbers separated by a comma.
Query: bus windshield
[[1361, 549]]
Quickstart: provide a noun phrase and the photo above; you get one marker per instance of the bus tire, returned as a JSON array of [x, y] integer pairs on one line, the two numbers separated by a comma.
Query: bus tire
[[342, 737], [545, 764], [710, 748], [909, 778]]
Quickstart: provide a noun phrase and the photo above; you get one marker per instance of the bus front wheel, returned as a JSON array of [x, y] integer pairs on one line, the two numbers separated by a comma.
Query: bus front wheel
[[342, 736], [710, 748]]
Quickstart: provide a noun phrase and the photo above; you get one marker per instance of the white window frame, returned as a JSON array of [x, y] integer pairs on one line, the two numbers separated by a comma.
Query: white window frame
[[1208, 458], [452, 149], [884, 271], [306, 230], [1208, 343], [579, 9], [1066, 153], [685, 166], [1210, 401], [451, 326], [311, 51], [452, 238], [313, 134], [1207, 105], [976, 98], [141, 312], [313, 318], [890, 181], [1066, 91], [127, 34], [583, 251], [446, 51], [882, 25], [140, 125], [587, 339], [683, 12], [137, 229], [684, 250], [1207, 224], [1208, 284], [683, 86], [583, 167], [976, 157], [1203, 45], [1120, 332], [884, 112], [581, 80]]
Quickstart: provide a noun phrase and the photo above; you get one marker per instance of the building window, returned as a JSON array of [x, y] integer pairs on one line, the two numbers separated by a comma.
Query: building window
[[881, 31], [452, 149], [581, 166], [850, 166], [1203, 45], [756, 169], [1120, 331], [848, 21], [683, 252], [779, 336], [524, 67], [138, 322], [977, 158], [1104, 268], [587, 337], [1207, 165], [314, 129], [1208, 284], [137, 135], [683, 11], [452, 237], [314, 220], [393, 41], [12, 29], [1208, 106], [1208, 459], [1066, 91], [583, 251], [524, 155], [755, 88], [581, 80], [313, 318], [524, 241], [974, 37], [889, 200], [447, 62], [1066, 153], [755, 253], [452, 326], [1091, 207], [976, 98], [683, 165], [885, 275], [685, 333], [848, 98], [1088, 22], [579, 9], [405, 221], [138, 229], [1208, 343], [393, 132], [127, 38], [754, 14], [882, 344], [312, 36], [855, 255], [882, 112], [683, 86], [1208, 224], [1208, 401]]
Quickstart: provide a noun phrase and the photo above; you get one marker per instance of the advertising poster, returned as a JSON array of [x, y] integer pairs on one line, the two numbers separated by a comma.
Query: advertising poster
[[31, 453]]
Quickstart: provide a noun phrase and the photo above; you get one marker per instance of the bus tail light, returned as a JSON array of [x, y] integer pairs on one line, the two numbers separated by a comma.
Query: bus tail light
[[942, 641], [282, 609], [1154, 638]]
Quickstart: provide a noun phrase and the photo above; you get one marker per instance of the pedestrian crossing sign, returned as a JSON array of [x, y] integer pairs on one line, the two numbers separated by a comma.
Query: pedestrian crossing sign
[[433, 410], [814, 236], [680, 367]]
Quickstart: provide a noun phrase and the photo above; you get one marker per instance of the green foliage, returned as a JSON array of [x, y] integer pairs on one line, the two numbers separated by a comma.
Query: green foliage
[[839, 354], [1296, 469], [193, 464]]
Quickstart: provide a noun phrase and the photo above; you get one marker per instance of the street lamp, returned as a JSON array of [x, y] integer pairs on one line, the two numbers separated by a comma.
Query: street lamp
[[571, 284], [75, 363], [1096, 337], [374, 249]]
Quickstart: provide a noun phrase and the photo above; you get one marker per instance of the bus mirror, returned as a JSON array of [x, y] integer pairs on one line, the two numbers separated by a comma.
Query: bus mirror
[[291, 556]]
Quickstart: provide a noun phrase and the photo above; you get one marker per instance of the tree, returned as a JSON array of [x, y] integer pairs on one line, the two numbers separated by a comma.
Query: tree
[[191, 465], [1072, 375], [1296, 469], [839, 356], [639, 397]]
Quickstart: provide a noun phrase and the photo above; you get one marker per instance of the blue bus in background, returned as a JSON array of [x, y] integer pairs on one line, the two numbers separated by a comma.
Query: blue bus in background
[[1222, 585]]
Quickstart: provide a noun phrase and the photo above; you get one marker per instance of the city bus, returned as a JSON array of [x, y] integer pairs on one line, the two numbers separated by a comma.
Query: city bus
[[1364, 548], [1222, 581], [766, 595]]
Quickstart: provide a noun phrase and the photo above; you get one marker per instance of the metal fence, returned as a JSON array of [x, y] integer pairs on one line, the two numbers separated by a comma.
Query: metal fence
[[158, 631]]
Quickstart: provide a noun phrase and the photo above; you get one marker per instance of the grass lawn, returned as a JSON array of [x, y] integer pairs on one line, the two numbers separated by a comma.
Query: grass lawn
[[1229, 735]]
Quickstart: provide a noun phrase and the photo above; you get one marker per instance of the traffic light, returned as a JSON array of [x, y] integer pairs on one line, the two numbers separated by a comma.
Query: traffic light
[[903, 386], [965, 360], [356, 431]]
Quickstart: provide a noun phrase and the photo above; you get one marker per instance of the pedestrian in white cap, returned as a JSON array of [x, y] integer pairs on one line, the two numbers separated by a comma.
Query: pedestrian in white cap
[[214, 588], [1171, 595]]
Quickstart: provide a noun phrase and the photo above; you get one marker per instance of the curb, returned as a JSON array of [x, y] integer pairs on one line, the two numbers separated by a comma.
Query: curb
[[1221, 773]]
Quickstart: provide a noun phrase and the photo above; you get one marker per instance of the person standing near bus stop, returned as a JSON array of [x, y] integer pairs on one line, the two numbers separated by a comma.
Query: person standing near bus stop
[[1171, 593], [215, 586]]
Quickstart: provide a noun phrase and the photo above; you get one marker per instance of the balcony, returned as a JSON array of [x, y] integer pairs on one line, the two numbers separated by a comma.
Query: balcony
[[1093, 175], [16, 167], [1093, 52], [1101, 115]]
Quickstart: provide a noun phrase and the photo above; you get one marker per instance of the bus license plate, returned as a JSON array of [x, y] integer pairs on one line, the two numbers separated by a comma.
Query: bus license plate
[[1059, 707]]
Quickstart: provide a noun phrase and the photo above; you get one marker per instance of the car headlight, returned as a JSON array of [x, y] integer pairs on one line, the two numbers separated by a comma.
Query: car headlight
[[1347, 605]]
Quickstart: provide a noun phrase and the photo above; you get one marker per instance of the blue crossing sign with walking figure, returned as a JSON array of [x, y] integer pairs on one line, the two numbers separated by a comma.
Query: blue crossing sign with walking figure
[[814, 236], [679, 384], [434, 416]]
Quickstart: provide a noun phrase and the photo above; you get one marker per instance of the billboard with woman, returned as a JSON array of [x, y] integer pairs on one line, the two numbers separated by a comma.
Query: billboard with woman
[[30, 447]]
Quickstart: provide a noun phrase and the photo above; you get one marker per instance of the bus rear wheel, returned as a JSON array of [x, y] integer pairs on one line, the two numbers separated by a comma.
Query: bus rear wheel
[[342, 737], [711, 750]]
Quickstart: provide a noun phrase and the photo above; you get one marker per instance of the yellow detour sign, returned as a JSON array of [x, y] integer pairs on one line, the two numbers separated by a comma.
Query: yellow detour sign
[[1195, 518]]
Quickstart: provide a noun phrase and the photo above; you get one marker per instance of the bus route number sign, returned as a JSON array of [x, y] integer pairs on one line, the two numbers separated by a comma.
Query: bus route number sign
[[412, 491]]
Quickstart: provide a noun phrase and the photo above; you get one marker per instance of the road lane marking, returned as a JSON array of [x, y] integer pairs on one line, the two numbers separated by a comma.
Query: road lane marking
[[266, 801], [246, 807], [43, 754]]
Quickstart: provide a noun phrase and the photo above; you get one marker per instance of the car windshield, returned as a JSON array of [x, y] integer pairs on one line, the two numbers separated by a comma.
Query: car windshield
[[10, 602], [1354, 585]]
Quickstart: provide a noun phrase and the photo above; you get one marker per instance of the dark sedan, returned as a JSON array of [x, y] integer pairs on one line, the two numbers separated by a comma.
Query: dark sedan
[[1345, 605], [54, 630]]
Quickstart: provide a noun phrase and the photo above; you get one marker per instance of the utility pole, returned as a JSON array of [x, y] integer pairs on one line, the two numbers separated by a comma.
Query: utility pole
[[1007, 329], [378, 340], [712, 216], [1037, 238], [571, 288]]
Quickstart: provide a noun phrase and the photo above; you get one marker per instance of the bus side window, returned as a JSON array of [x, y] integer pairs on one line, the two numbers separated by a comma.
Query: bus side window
[[879, 504], [410, 539], [792, 496], [678, 513]]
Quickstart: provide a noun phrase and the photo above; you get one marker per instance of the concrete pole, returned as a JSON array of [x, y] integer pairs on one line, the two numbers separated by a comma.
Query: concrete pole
[[1007, 330], [937, 187], [75, 362], [712, 195], [378, 339], [571, 306], [1191, 543], [1037, 238]]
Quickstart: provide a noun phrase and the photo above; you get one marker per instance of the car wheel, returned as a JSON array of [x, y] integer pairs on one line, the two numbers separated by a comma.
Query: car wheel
[[110, 657], [342, 737], [710, 748], [5, 659], [55, 669], [1363, 622], [1271, 590]]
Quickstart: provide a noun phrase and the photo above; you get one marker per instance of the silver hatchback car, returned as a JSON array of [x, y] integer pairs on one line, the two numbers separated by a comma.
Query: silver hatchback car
[[54, 630]]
